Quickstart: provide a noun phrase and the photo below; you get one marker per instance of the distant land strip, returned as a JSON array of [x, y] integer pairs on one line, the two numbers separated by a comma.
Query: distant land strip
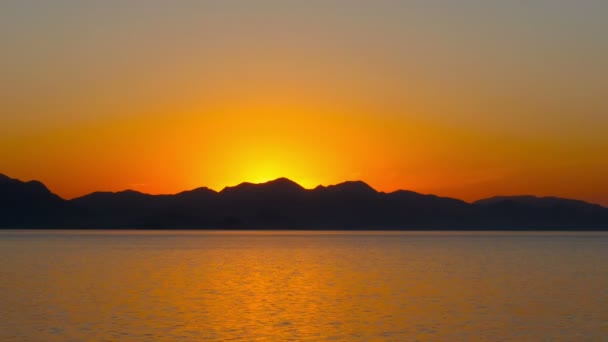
[[283, 204]]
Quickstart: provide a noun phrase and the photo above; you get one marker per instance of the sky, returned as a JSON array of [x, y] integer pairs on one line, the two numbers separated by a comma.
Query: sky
[[466, 99]]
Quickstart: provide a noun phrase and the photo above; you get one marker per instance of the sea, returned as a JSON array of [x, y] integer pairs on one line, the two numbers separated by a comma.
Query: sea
[[128, 285]]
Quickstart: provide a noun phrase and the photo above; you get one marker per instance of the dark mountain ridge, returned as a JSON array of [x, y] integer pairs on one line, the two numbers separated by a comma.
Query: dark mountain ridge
[[284, 204], [29, 204]]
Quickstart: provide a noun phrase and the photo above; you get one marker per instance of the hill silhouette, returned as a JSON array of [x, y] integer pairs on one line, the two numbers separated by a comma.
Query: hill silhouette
[[29, 204], [284, 204]]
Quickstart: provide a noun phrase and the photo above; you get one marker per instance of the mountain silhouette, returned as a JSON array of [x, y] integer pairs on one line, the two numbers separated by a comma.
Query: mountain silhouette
[[29, 204], [284, 204]]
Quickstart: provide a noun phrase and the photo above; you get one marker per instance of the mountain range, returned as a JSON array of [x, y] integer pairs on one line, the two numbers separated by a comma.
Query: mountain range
[[283, 204]]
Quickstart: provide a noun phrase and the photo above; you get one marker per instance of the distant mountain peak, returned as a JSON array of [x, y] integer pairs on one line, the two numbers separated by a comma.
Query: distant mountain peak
[[353, 186], [284, 182], [34, 184], [202, 189], [130, 192], [532, 200], [34, 193], [5, 179], [37, 185], [121, 192], [280, 184]]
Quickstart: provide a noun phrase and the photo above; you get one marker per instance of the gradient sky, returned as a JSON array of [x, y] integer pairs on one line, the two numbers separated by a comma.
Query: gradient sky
[[458, 98]]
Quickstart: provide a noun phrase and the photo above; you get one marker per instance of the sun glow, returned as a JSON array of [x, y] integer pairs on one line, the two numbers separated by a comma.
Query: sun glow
[[266, 170], [258, 143]]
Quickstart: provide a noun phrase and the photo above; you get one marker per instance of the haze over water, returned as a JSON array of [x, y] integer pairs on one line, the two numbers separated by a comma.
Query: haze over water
[[304, 286]]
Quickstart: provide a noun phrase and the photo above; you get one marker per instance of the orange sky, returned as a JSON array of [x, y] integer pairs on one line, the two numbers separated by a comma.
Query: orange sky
[[403, 96]]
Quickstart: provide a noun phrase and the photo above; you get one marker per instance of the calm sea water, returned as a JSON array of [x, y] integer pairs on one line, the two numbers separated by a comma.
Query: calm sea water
[[302, 286]]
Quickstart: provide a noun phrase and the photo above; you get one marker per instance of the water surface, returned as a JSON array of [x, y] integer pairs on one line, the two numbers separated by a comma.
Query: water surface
[[302, 286]]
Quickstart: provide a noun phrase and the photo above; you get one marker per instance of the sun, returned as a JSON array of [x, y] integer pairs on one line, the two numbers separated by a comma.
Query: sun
[[266, 170]]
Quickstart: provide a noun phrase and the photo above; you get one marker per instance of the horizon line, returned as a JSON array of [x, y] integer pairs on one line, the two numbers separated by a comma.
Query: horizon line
[[304, 188]]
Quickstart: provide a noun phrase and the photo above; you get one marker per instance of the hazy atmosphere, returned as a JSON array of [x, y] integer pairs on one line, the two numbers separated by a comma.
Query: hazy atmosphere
[[458, 98], [337, 170]]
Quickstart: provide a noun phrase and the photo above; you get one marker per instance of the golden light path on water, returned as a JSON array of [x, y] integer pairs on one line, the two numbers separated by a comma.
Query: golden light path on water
[[304, 286]]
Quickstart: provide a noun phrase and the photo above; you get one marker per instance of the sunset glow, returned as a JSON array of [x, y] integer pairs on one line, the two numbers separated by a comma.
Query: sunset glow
[[166, 98], [318, 170]]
